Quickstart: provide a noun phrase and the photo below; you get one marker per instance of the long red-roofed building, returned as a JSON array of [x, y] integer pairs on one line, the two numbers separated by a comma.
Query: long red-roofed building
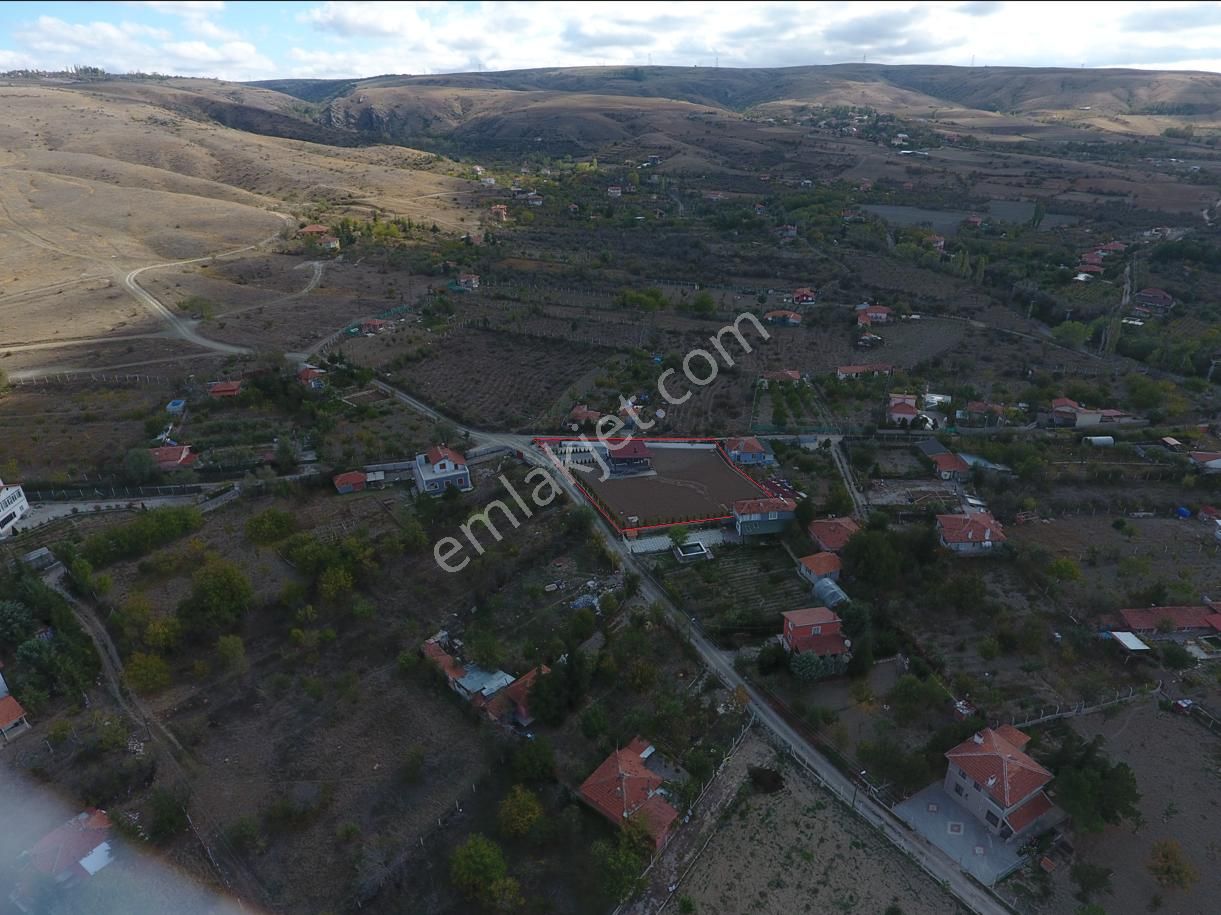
[[991, 775], [623, 789]]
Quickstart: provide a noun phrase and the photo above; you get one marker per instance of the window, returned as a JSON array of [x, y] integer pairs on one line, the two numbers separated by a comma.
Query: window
[[992, 818], [962, 773], [976, 784], [816, 630], [958, 790], [771, 516]]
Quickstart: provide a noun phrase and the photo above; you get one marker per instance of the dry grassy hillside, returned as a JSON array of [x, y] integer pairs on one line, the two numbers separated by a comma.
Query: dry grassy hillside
[[96, 181]]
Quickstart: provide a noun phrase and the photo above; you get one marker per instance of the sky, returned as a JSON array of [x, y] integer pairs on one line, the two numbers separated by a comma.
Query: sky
[[269, 40]]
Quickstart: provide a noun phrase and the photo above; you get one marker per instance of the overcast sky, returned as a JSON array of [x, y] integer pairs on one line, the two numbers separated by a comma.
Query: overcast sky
[[245, 41]]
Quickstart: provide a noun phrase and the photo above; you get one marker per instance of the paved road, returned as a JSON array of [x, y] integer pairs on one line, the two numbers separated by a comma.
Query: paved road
[[974, 896]]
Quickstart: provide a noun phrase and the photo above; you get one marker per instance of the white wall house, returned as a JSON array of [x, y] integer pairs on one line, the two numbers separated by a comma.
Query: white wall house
[[13, 507]]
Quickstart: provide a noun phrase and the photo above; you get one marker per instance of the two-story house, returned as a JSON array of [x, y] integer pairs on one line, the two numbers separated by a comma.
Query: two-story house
[[439, 467], [763, 516], [13, 507], [991, 776], [815, 630], [748, 451]]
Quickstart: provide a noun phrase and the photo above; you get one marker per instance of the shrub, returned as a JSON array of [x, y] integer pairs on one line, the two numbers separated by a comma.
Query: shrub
[[270, 526], [147, 673]]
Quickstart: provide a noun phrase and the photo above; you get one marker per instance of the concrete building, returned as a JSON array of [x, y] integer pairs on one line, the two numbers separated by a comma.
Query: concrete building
[[753, 517], [990, 776], [13, 507], [440, 467]]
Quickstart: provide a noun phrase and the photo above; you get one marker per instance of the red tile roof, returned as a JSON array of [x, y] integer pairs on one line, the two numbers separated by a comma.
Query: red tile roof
[[810, 616], [970, 528], [10, 711], [632, 449], [351, 478], [623, 787], [445, 661], [1204, 457], [830, 643], [170, 456], [822, 563], [1002, 769], [982, 406], [315, 229], [1029, 812], [832, 534], [903, 409], [516, 696], [948, 462], [759, 506], [224, 388], [783, 375], [783, 313], [441, 453], [1179, 618], [58, 854], [745, 445]]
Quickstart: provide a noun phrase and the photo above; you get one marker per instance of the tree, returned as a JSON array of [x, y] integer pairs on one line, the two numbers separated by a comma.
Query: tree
[[138, 466], [703, 303], [1072, 334], [871, 557], [1090, 879], [169, 816], [270, 526], [805, 512], [147, 673], [16, 623], [534, 760], [809, 666], [1170, 867], [619, 864], [1090, 788], [518, 812], [220, 595], [232, 651], [1175, 656], [485, 648], [1064, 569], [334, 582], [679, 534], [476, 866]]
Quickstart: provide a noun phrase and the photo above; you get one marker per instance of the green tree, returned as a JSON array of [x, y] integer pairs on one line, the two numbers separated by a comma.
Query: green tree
[[485, 648], [16, 623], [232, 651], [138, 466], [169, 816], [1091, 879], [533, 760], [146, 673], [518, 812], [1072, 334], [703, 304], [1170, 867], [618, 864], [220, 595], [1094, 791], [679, 534], [270, 526], [477, 868], [334, 582], [871, 556], [1064, 569]]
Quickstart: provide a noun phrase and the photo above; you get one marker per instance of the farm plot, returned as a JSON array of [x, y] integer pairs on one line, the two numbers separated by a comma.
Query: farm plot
[[802, 850], [743, 589], [686, 485], [1175, 761], [500, 380]]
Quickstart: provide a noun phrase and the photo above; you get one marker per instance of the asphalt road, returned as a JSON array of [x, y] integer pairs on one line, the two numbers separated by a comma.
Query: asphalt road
[[941, 866]]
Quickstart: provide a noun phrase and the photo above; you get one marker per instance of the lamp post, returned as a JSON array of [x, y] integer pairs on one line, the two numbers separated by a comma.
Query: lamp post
[[855, 786]]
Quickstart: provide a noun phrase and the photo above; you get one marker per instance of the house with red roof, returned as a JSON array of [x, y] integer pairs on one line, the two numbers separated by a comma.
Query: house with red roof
[[782, 375], [440, 467], [902, 409], [1067, 412], [970, 535], [1155, 623], [768, 515], [832, 534], [846, 372], [817, 566], [804, 295], [1205, 461], [328, 243], [315, 229], [582, 414], [991, 776], [868, 315], [748, 451], [783, 316], [434, 652], [352, 481], [13, 721], [624, 789], [949, 466], [173, 457], [468, 281], [224, 388], [1158, 300], [628, 456], [511, 706], [312, 377], [814, 630], [70, 853]]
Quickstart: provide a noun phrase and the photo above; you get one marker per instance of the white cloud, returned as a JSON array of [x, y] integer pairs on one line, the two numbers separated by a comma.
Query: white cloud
[[365, 18]]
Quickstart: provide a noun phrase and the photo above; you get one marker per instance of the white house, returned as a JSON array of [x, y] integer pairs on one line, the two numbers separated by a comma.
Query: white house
[[972, 534], [13, 507], [440, 467]]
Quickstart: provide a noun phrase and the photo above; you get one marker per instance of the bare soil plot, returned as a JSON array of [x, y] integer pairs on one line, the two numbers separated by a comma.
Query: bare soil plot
[[1176, 762], [801, 850], [687, 484], [497, 380]]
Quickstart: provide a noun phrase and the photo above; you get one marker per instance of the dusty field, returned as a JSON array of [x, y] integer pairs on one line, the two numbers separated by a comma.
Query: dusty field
[[54, 433], [1176, 762], [688, 485], [801, 850], [497, 380]]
